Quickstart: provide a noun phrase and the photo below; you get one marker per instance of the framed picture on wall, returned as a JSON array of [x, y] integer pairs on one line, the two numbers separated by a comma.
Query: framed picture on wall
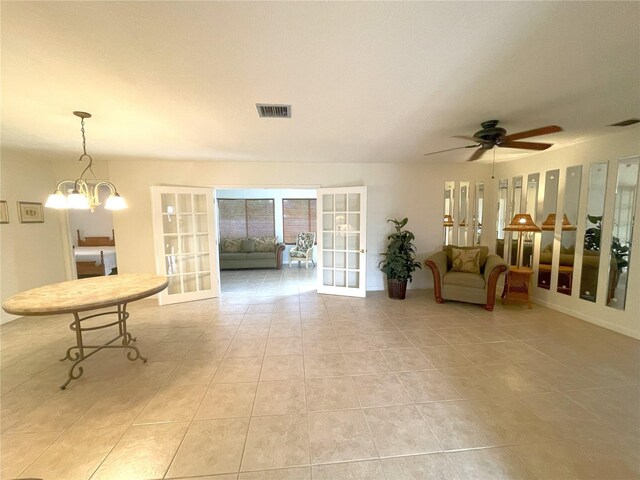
[[4, 212], [30, 212]]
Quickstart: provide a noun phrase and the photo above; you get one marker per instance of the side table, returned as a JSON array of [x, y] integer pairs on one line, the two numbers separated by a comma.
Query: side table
[[517, 284]]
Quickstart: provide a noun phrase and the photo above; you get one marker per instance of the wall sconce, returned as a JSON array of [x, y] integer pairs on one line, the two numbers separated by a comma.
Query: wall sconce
[[85, 195]]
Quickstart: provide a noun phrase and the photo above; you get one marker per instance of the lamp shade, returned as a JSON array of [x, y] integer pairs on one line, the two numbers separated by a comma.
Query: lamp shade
[[550, 223], [115, 202], [56, 200], [522, 222], [78, 201], [448, 221]]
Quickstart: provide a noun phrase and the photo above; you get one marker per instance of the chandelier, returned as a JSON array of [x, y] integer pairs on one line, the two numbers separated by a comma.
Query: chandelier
[[85, 193]]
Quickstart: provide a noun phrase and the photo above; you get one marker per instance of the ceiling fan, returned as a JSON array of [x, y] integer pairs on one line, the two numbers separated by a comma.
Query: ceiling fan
[[493, 136]]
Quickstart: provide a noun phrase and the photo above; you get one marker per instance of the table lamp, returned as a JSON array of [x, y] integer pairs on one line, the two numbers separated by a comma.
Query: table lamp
[[521, 222], [550, 223]]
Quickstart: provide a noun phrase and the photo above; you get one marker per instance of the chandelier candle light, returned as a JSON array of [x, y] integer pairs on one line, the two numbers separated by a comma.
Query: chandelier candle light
[[85, 195], [521, 222]]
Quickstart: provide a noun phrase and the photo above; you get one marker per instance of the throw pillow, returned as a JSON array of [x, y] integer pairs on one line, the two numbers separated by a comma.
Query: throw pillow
[[466, 260], [265, 244], [231, 245], [484, 253], [248, 246]]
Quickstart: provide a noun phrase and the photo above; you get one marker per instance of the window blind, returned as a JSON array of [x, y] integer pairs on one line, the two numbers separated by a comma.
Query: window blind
[[242, 218], [298, 215]]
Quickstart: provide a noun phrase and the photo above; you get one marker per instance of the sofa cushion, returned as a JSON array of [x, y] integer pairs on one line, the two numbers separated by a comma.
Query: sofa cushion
[[234, 256], [484, 253], [260, 256], [231, 245], [463, 279], [265, 244], [467, 260], [248, 246]]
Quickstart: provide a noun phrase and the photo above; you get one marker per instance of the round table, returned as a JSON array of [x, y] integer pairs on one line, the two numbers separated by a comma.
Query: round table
[[87, 294]]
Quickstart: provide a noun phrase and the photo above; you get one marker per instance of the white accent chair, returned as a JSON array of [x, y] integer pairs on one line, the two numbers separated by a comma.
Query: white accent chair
[[304, 249]]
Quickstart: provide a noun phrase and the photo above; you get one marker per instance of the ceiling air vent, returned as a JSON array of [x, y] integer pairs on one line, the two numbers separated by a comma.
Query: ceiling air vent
[[626, 123], [268, 110]]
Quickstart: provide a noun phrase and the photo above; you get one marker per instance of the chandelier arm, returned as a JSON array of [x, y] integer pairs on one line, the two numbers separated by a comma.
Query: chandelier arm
[[111, 186]]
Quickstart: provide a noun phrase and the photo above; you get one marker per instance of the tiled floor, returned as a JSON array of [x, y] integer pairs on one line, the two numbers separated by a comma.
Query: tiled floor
[[273, 381]]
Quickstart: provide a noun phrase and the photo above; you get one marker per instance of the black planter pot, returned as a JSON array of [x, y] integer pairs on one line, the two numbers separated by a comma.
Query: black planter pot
[[397, 288]]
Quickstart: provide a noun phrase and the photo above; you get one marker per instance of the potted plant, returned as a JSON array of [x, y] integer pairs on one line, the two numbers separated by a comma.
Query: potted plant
[[620, 252], [399, 260]]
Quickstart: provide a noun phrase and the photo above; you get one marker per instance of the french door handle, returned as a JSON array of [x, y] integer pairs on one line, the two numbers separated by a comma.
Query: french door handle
[[362, 250]]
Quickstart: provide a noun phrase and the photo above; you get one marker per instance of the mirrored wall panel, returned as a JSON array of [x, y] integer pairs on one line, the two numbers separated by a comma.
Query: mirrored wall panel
[[572, 183], [463, 214], [622, 234], [592, 238], [501, 217], [549, 207], [478, 209], [531, 207], [448, 214], [516, 207]]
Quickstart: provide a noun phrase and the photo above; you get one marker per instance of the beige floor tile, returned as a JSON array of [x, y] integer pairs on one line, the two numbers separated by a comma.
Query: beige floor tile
[[366, 362], [390, 340], [279, 398], [144, 451], [19, 450], [458, 335], [208, 350], [240, 370], [616, 406], [276, 442], [210, 447], [427, 386], [325, 365], [406, 359], [296, 473], [559, 376], [246, 347], [277, 346], [290, 367], [331, 393], [324, 343], [215, 332], [193, 373], [517, 379], [424, 337], [283, 330], [494, 463], [445, 356], [340, 436], [434, 466], [75, 454], [555, 460], [483, 354], [253, 330], [356, 343], [173, 404], [457, 426], [227, 400], [366, 470], [520, 352], [380, 390], [489, 334], [400, 430]]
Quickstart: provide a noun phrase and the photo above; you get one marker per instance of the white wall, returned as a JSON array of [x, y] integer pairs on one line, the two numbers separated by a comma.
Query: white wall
[[277, 194], [609, 149], [394, 191]]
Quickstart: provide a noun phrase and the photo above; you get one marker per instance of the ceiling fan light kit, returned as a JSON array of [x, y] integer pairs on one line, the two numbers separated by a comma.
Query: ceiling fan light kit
[[85, 194], [491, 135]]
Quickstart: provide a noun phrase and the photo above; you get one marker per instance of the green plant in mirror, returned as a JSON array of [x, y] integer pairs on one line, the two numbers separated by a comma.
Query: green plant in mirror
[[400, 258], [592, 239]]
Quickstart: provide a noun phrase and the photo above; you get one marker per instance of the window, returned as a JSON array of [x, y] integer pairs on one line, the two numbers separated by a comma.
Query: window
[[243, 217], [298, 215]]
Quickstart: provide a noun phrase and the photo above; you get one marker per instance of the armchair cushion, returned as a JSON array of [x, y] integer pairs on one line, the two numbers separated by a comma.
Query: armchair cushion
[[305, 241], [464, 279], [466, 260]]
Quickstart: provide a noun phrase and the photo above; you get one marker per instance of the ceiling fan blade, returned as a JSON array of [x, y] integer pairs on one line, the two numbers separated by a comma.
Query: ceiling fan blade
[[527, 145], [477, 154], [450, 149], [533, 133]]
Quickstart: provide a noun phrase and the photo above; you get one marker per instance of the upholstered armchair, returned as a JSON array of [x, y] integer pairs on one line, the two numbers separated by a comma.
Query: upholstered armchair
[[475, 286], [304, 249]]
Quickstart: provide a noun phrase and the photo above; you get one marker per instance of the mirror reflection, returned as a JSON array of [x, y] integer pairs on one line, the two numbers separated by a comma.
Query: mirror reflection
[[478, 213], [549, 207], [592, 236], [501, 217], [622, 234], [448, 211], [516, 207], [569, 221], [531, 207], [463, 214]]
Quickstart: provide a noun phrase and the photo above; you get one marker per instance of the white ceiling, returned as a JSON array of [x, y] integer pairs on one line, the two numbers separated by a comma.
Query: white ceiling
[[368, 82]]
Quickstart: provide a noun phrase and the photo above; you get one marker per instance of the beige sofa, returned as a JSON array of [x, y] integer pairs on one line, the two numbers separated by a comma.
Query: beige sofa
[[466, 287], [256, 252]]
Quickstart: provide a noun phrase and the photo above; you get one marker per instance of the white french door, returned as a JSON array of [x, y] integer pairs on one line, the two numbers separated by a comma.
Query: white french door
[[185, 239], [342, 228]]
